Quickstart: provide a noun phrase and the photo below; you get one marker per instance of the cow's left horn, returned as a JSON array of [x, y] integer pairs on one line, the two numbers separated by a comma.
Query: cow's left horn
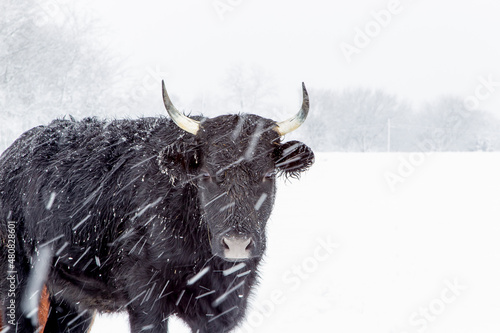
[[293, 123], [189, 125]]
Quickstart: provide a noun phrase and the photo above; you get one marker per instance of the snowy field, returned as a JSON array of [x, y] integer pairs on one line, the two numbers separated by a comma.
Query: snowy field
[[350, 251]]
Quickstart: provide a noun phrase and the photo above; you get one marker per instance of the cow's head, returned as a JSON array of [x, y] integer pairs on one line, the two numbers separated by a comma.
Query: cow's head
[[235, 168]]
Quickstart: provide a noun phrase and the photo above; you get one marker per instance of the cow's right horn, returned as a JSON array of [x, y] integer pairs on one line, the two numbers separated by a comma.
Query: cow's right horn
[[293, 123], [189, 125]]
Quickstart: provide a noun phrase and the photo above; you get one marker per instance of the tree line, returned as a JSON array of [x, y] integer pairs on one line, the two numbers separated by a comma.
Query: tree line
[[367, 120], [52, 64]]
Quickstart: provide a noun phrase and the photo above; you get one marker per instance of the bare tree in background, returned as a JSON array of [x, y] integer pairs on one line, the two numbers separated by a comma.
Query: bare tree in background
[[249, 88], [353, 120], [50, 65], [447, 125]]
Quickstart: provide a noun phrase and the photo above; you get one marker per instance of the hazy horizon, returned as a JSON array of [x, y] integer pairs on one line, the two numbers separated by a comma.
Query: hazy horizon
[[418, 50]]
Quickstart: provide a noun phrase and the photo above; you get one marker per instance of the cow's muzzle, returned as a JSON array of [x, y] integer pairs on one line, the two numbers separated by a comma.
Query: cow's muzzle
[[237, 247]]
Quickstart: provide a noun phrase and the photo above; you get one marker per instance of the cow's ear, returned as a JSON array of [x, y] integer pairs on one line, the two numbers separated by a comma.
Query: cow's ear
[[179, 161], [292, 158]]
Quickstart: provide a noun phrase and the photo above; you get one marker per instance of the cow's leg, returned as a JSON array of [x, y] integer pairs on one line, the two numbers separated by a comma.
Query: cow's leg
[[65, 318], [143, 322], [198, 324], [148, 308]]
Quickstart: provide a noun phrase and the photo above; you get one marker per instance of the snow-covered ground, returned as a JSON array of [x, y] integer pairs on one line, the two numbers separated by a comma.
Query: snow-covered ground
[[388, 243]]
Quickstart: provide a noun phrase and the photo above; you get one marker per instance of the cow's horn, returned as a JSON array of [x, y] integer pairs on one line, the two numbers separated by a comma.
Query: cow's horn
[[293, 123], [189, 125]]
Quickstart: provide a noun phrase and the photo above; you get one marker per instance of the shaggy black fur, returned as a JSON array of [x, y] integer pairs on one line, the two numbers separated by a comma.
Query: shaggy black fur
[[132, 210]]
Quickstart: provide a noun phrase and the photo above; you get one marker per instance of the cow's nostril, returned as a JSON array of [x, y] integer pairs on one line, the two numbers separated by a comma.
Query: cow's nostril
[[237, 248], [250, 245]]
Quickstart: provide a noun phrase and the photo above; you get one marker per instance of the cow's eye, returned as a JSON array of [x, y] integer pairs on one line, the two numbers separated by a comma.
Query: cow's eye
[[270, 174], [205, 175]]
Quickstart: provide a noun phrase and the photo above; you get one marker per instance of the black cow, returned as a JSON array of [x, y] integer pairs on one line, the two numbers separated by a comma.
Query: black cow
[[151, 216]]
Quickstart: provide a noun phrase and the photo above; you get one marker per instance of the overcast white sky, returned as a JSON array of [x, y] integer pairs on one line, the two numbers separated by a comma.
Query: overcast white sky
[[426, 48]]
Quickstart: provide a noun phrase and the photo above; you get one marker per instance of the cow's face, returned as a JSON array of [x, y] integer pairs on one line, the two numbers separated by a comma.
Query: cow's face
[[238, 158]]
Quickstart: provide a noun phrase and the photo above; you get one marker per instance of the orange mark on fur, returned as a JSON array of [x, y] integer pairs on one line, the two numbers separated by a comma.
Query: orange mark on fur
[[43, 309]]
